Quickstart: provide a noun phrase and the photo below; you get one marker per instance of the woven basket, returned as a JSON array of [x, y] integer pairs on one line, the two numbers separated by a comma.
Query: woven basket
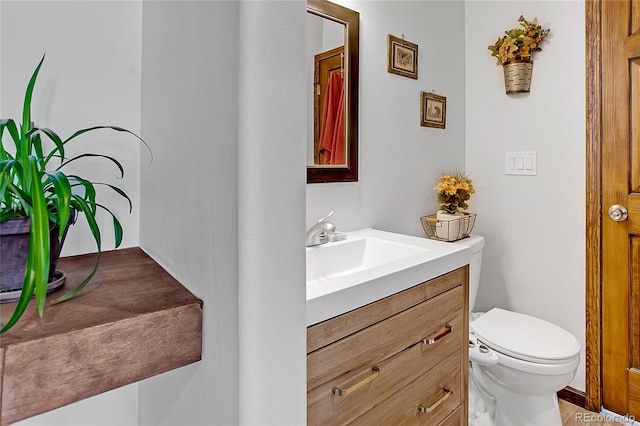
[[448, 230], [517, 76]]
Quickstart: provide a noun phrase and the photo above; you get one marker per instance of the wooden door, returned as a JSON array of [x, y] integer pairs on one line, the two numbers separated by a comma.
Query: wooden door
[[620, 53], [325, 63]]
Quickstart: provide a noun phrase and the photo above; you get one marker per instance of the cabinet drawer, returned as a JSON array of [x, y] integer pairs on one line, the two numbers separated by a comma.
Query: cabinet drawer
[[455, 419], [425, 401], [369, 347], [334, 329], [370, 387]]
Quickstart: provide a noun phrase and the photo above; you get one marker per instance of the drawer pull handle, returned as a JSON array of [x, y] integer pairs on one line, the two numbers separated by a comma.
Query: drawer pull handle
[[447, 393], [375, 372], [430, 341]]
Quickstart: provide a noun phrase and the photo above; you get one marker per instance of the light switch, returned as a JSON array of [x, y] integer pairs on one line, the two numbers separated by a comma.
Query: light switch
[[521, 163], [528, 163]]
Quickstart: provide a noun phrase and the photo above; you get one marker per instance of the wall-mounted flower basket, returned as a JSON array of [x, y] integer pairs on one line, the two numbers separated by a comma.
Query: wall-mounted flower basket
[[514, 52], [517, 76]]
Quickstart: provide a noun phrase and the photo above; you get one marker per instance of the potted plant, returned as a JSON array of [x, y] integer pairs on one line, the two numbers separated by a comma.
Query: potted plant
[[452, 222], [38, 197], [514, 51]]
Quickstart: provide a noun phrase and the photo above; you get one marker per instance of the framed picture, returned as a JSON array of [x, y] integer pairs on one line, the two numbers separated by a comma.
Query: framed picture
[[433, 110], [403, 57]]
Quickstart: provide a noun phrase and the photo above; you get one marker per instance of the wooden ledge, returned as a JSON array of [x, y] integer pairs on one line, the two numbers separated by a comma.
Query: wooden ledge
[[131, 322]]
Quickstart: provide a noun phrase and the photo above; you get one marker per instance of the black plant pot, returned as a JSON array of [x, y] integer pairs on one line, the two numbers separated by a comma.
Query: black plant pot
[[14, 247]]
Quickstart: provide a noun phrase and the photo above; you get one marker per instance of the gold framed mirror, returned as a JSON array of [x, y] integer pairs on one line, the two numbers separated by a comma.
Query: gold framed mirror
[[333, 147]]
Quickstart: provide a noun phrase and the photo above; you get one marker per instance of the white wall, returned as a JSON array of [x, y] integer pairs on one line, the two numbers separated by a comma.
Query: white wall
[[272, 302], [118, 407], [189, 195], [534, 226], [221, 210], [400, 161], [90, 76]]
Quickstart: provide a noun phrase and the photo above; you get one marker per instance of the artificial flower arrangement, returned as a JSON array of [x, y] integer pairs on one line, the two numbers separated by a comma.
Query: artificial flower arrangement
[[453, 192], [519, 43]]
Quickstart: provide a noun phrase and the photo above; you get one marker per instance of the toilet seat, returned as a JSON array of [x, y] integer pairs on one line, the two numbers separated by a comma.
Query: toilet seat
[[525, 337]]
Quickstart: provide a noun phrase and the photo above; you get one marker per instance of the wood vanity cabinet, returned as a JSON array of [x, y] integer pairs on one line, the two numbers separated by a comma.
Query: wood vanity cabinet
[[402, 360]]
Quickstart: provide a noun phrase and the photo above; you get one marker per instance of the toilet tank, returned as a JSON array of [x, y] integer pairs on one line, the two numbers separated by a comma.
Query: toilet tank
[[476, 242]]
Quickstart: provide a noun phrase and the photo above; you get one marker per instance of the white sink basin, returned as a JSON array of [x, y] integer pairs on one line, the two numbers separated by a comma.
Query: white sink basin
[[370, 265], [350, 256]]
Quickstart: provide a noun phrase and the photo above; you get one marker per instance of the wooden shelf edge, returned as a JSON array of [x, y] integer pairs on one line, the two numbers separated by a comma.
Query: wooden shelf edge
[[69, 365]]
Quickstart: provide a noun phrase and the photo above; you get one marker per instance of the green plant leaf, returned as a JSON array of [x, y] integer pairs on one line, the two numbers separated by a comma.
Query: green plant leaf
[[80, 286], [39, 244], [8, 214], [113, 160], [119, 191], [57, 140], [37, 266], [11, 127], [89, 213], [81, 205], [117, 227], [116, 128], [25, 296], [26, 111], [91, 129], [5, 178], [89, 191], [117, 230], [36, 145], [63, 199], [21, 197]]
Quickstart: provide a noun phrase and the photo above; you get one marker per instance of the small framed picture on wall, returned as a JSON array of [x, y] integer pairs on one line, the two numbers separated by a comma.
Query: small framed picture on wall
[[402, 57], [433, 110]]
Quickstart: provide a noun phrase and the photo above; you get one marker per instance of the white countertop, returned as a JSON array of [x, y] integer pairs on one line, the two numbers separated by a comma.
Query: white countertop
[[336, 294]]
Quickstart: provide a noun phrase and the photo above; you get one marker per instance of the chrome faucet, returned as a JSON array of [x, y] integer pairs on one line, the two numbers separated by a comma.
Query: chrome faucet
[[320, 232]]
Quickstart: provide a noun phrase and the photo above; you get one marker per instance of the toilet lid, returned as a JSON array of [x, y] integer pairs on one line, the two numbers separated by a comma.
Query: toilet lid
[[525, 337]]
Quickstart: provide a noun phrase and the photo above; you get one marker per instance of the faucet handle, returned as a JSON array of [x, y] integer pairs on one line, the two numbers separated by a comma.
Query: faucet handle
[[326, 217]]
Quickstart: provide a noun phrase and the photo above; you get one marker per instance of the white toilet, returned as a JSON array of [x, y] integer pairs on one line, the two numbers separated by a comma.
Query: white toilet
[[518, 362]]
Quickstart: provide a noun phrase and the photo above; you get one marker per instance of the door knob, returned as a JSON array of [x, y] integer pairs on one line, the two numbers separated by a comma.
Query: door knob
[[618, 213]]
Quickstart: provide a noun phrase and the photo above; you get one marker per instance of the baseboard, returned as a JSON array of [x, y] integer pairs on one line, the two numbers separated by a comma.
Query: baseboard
[[573, 396]]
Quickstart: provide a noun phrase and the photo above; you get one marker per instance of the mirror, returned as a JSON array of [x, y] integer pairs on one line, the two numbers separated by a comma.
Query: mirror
[[332, 69]]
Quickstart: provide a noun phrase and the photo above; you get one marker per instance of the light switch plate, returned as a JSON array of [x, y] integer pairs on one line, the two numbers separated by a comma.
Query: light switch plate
[[521, 163]]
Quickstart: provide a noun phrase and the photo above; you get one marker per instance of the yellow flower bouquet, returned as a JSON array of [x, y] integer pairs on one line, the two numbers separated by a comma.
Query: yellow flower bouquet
[[519, 43], [449, 223], [453, 192]]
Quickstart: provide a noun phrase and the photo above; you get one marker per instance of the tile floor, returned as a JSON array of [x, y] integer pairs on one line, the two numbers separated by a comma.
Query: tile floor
[[572, 415]]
